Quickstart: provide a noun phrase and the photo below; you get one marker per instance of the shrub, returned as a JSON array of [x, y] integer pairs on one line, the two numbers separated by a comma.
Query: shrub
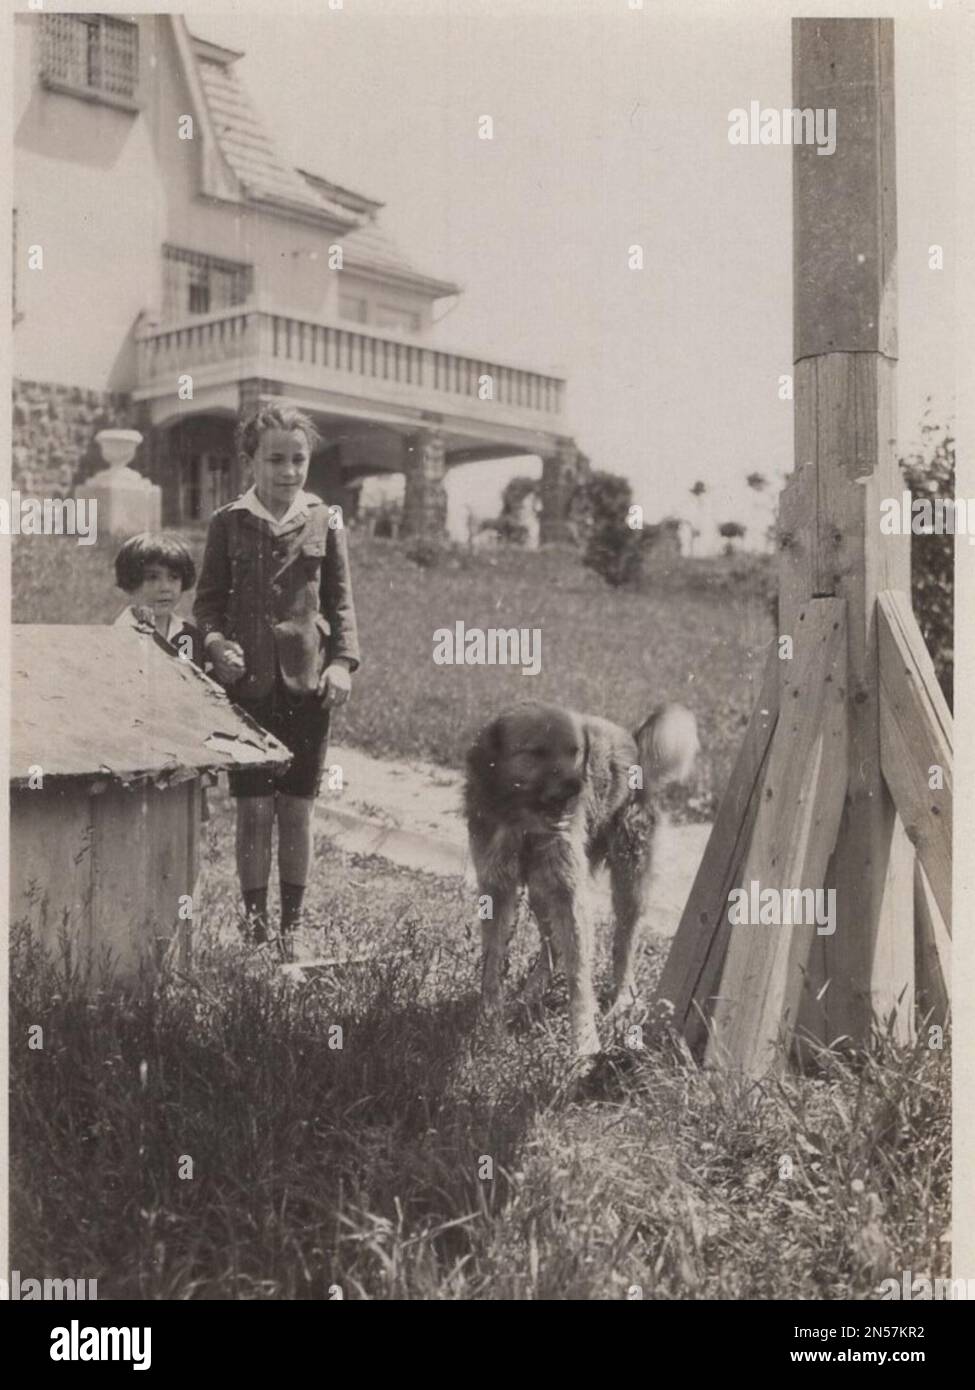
[[932, 475], [425, 552], [613, 549]]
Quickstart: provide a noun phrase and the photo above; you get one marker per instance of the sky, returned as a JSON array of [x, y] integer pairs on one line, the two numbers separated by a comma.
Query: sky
[[611, 129]]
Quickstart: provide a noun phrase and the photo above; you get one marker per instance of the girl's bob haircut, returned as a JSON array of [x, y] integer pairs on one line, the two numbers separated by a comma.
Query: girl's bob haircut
[[149, 548], [274, 417]]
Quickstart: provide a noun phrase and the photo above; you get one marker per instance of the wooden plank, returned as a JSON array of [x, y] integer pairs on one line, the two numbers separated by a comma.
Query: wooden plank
[[933, 947], [844, 278], [170, 870], [798, 816], [51, 862], [697, 952], [121, 892], [915, 741], [194, 810]]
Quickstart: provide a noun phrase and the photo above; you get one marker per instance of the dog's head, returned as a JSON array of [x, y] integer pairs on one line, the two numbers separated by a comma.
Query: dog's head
[[533, 758]]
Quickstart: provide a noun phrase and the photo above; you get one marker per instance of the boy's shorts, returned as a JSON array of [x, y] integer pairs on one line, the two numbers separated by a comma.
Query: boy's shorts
[[301, 723]]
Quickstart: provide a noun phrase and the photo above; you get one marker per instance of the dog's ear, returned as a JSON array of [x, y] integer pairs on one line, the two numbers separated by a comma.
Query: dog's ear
[[485, 752]]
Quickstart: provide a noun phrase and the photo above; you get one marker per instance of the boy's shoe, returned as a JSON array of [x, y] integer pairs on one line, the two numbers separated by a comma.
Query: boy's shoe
[[302, 941]]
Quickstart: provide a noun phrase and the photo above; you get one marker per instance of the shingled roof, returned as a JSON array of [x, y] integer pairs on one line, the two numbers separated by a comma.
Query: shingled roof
[[266, 178], [246, 145], [111, 702]]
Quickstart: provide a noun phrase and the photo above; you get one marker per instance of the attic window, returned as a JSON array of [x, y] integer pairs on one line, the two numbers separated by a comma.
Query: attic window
[[91, 55]]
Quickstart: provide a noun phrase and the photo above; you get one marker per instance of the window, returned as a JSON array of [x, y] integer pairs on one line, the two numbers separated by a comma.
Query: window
[[93, 54], [400, 320], [353, 307], [194, 283]]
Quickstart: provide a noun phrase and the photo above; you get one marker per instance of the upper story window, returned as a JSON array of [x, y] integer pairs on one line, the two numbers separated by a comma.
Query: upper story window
[[354, 307], [194, 283], [399, 319], [92, 55]]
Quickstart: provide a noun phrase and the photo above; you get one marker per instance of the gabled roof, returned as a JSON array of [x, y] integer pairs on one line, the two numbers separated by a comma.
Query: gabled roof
[[111, 702], [246, 145], [267, 180]]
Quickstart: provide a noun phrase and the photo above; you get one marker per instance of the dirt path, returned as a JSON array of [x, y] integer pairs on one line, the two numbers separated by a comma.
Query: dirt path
[[410, 814]]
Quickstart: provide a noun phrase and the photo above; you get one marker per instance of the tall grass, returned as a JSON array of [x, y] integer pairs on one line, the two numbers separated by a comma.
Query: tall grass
[[425, 1158]]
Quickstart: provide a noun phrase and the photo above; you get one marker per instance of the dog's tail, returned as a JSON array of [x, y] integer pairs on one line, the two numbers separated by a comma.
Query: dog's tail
[[668, 745]]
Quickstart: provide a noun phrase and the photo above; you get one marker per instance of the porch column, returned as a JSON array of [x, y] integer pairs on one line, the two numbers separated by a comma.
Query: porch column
[[425, 499], [561, 472]]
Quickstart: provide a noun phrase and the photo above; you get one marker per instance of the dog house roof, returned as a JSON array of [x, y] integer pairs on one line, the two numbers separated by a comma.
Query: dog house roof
[[112, 702]]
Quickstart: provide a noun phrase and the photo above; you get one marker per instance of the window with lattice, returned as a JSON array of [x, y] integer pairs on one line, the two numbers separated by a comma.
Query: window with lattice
[[92, 54], [195, 283]]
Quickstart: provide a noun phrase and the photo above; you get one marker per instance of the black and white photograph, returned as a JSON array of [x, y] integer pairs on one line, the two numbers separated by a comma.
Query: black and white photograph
[[480, 534]]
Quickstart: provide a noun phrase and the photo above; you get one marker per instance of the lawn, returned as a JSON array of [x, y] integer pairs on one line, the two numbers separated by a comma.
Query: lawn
[[700, 638], [208, 1138], [213, 1135]]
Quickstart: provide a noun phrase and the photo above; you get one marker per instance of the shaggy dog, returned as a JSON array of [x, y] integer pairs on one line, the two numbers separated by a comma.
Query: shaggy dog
[[550, 796]]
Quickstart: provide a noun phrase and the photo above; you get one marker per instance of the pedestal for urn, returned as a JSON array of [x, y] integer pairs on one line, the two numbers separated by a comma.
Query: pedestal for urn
[[127, 502]]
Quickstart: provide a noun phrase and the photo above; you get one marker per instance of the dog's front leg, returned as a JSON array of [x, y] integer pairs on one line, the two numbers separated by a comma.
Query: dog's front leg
[[557, 886]]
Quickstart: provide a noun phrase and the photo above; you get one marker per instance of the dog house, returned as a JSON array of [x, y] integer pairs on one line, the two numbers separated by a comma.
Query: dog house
[[111, 737]]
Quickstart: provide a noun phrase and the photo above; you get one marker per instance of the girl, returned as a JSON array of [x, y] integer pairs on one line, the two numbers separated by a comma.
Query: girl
[[155, 570], [274, 605]]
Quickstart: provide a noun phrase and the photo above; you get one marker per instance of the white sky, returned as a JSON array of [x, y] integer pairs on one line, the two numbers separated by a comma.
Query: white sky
[[610, 128]]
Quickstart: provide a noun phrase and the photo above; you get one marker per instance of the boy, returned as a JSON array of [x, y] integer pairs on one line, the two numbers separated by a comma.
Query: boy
[[274, 605]]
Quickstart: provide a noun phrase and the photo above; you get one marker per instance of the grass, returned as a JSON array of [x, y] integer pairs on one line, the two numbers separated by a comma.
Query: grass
[[365, 1166], [204, 1137]]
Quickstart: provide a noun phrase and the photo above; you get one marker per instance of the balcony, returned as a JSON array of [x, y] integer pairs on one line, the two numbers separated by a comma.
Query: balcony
[[343, 370]]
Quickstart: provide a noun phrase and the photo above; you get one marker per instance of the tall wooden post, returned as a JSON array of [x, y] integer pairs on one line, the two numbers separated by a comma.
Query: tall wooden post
[[850, 722], [845, 326]]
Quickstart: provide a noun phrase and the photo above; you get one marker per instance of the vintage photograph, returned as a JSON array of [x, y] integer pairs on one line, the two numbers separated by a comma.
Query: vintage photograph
[[482, 526]]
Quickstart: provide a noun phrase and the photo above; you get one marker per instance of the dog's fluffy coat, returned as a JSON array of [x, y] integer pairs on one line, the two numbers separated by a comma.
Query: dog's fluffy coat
[[550, 796]]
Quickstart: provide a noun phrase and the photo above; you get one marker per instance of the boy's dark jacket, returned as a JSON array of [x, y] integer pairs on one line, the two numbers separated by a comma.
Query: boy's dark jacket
[[286, 598]]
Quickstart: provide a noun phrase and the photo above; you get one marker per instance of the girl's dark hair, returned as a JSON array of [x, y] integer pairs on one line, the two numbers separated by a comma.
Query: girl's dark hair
[[274, 417], [139, 552]]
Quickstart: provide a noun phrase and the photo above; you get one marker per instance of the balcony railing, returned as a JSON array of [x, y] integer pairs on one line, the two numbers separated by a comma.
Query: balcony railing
[[251, 341]]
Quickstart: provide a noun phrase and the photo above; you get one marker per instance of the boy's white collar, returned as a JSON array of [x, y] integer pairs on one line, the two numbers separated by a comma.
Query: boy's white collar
[[250, 502]]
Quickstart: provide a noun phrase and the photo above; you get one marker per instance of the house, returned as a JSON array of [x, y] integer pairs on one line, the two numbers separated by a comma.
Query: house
[[105, 791], [171, 269]]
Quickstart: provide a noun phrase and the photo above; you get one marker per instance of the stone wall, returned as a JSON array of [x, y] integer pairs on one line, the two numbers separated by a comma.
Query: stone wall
[[54, 430]]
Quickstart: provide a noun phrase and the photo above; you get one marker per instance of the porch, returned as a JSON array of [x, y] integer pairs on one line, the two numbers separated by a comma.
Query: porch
[[382, 404]]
